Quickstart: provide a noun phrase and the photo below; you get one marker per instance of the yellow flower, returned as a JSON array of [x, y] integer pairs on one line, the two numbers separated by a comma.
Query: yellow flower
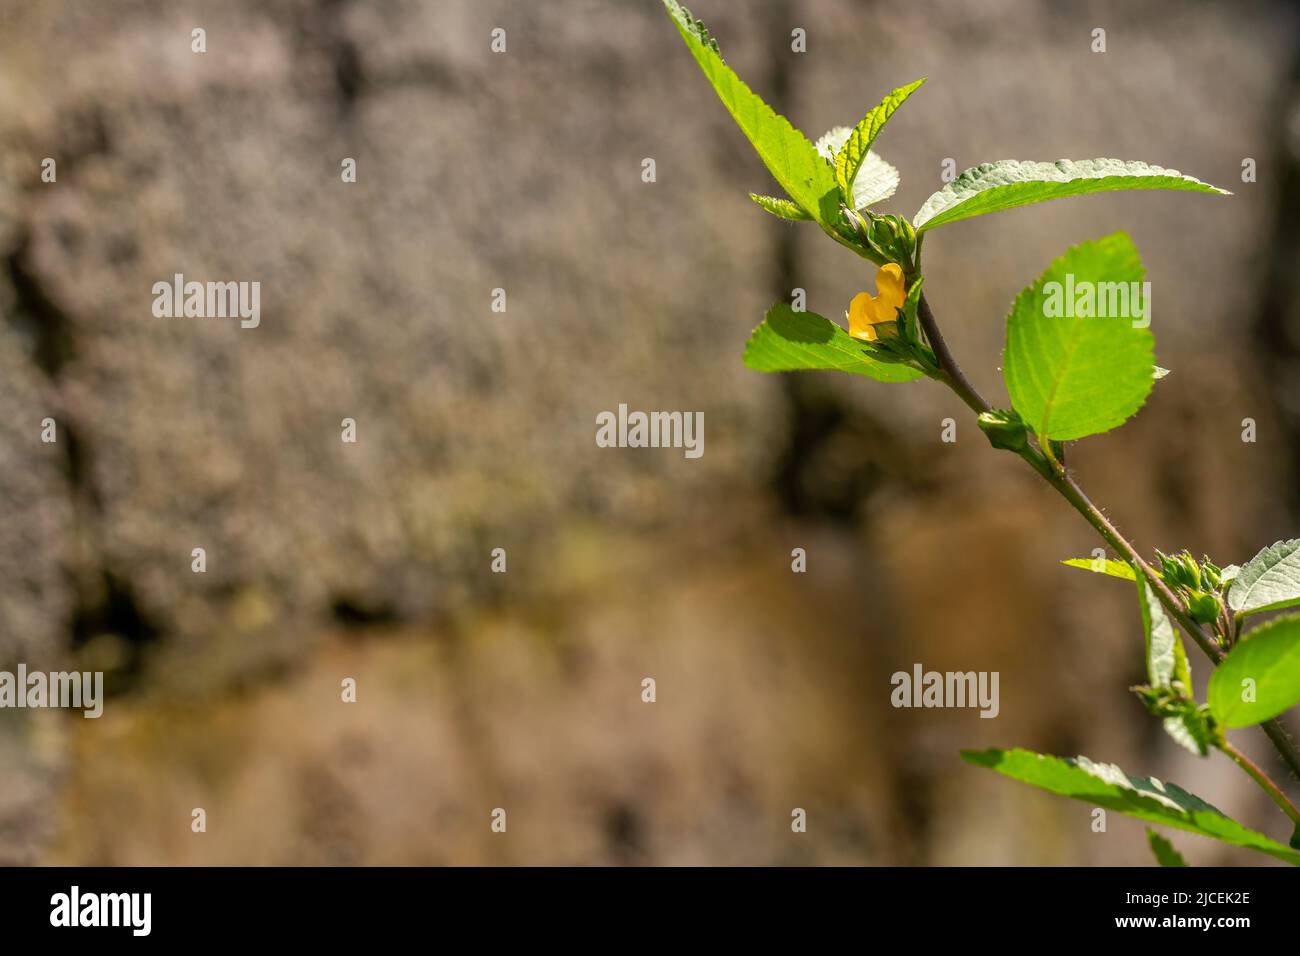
[[873, 317]]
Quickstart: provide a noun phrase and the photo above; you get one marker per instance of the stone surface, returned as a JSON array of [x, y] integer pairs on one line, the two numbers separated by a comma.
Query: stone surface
[[523, 171]]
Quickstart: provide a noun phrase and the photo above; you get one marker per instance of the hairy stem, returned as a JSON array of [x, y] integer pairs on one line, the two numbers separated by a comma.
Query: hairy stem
[[1070, 490], [950, 374], [1283, 744], [1265, 784], [948, 367]]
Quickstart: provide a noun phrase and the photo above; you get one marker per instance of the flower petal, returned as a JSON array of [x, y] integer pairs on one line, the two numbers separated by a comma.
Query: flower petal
[[889, 283], [860, 315]]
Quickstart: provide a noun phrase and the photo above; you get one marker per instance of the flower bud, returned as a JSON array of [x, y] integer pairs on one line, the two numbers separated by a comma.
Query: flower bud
[[1170, 569], [891, 236], [1203, 606], [1004, 430]]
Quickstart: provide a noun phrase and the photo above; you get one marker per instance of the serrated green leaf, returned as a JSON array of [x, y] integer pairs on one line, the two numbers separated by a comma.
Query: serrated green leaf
[[1114, 569], [790, 341], [877, 179], [1070, 376], [1105, 785], [1163, 850], [786, 152], [1269, 581], [783, 208], [856, 148], [1166, 658], [1190, 729], [1167, 664], [992, 187], [1269, 659]]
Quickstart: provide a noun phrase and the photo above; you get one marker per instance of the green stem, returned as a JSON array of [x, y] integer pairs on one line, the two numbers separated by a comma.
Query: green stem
[[1283, 744], [950, 374], [1060, 480], [950, 371], [1268, 786]]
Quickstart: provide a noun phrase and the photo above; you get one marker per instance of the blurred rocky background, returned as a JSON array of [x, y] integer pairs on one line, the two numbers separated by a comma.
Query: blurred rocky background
[[522, 171]]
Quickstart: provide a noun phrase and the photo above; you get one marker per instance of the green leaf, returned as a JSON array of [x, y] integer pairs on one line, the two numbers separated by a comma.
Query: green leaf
[[1163, 850], [1190, 728], [911, 315], [877, 180], [857, 144], [1166, 665], [789, 157], [1105, 785], [1115, 569], [1268, 656], [783, 208], [790, 341], [1071, 376], [1166, 659], [992, 187], [1269, 581]]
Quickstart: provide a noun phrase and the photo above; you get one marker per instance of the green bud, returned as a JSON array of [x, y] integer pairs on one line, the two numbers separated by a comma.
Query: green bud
[[1203, 606], [1004, 430], [891, 237], [1192, 571], [1211, 574], [1170, 569], [906, 232]]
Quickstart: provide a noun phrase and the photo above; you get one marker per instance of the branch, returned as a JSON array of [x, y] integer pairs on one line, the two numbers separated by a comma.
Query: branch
[[950, 374], [1265, 784]]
